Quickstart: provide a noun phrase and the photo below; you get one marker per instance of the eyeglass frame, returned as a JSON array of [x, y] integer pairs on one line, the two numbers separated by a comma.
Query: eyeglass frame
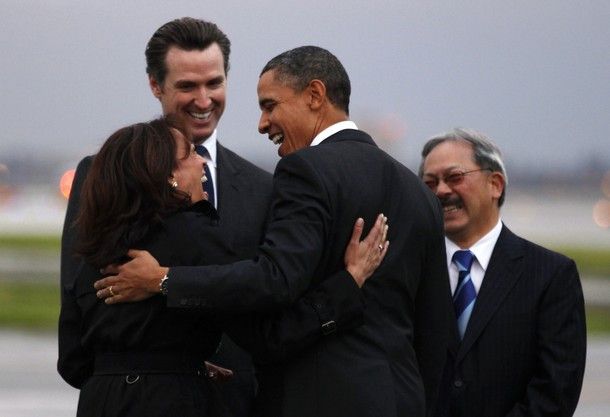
[[459, 178]]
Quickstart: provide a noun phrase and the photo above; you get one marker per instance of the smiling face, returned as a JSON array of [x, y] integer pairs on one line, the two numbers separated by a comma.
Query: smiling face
[[470, 205], [286, 115], [189, 170], [194, 90]]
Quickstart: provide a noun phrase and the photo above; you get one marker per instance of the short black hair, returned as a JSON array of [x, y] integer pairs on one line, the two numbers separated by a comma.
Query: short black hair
[[298, 66], [185, 33]]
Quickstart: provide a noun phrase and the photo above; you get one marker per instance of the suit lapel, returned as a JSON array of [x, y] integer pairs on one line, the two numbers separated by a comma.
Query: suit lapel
[[228, 183], [504, 270]]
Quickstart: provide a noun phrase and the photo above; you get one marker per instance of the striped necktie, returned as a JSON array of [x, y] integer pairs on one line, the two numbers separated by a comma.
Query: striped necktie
[[208, 186], [465, 293]]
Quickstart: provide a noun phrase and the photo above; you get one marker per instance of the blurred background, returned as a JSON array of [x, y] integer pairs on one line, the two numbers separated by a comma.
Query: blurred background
[[534, 76]]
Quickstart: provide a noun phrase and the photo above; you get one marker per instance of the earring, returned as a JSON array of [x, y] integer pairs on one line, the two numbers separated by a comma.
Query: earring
[[174, 184]]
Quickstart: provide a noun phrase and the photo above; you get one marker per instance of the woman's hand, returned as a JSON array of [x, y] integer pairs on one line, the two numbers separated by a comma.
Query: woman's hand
[[362, 257]]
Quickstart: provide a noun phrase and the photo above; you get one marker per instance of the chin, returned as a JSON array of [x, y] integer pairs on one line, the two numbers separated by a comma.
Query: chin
[[199, 135], [453, 228]]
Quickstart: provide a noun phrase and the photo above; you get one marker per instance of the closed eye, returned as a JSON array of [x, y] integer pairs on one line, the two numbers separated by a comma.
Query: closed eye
[[267, 105]]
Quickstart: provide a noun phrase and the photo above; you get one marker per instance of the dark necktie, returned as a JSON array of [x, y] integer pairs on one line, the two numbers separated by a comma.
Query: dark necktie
[[465, 293], [208, 186]]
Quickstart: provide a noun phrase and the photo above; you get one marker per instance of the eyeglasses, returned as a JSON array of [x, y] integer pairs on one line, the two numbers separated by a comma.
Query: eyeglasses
[[452, 179]]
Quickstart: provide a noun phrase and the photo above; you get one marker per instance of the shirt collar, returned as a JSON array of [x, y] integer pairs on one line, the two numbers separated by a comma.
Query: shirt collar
[[482, 249], [331, 130], [210, 145]]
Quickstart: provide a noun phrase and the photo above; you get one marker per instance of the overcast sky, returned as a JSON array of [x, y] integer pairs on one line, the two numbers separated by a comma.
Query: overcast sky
[[532, 74]]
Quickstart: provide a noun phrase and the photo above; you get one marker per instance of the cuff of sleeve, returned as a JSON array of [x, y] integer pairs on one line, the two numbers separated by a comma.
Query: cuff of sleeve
[[338, 303]]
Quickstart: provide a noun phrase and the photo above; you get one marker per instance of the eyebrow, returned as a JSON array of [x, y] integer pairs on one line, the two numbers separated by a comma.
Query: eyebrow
[[184, 83], [451, 168], [218, 79]]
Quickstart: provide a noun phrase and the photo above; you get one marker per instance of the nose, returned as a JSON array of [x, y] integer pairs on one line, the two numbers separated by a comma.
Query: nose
[[263, 123], [202, 98], [442, 189]]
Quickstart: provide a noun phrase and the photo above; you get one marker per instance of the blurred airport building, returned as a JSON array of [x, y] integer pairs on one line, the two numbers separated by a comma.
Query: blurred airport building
[[547, 205]]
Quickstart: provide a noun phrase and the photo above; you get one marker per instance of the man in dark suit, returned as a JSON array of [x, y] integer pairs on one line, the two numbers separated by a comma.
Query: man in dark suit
[[330, 173], [187, 63], [519, 345]]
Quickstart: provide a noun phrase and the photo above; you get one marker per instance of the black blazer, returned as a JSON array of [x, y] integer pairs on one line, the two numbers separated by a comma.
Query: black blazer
[[392, 363], [244, 192], [523, 353], [90, 330]]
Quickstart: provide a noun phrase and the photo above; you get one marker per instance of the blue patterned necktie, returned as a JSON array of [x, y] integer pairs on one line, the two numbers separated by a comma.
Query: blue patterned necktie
[[208, 186], [465, 293]]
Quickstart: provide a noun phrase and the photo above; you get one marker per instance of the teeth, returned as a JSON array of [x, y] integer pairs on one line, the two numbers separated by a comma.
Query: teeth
[[201, 116], [452, 207], [277, 138]]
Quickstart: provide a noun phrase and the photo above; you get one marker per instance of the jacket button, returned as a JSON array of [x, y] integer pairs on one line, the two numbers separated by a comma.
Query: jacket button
[[458, 383]]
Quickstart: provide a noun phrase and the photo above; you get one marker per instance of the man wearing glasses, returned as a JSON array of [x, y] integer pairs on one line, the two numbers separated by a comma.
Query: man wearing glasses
[[519, 343]]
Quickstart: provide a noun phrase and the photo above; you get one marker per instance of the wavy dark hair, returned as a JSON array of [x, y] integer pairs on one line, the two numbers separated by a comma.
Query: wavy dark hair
[[188, 34], [127, 192]]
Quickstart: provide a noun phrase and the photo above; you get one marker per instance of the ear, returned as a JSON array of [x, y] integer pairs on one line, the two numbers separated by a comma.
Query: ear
[[497, 183], [155, 87], [317, 94]]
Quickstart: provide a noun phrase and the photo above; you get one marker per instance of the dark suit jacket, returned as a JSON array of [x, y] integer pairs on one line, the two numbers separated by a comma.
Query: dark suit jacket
[[244, 192], [392, 363], [523, 353], [138, 337]]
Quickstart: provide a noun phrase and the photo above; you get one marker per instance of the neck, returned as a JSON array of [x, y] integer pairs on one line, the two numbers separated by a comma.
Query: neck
[[467, 238]]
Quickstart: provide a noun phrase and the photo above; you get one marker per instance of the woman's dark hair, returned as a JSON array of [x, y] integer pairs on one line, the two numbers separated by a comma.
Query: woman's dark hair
[[127, 191]]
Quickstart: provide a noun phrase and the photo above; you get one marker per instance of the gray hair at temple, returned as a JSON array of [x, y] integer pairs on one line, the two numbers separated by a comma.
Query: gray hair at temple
[[486, 154]]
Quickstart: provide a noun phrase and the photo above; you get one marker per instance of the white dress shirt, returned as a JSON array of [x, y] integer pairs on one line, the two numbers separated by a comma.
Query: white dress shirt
[[482, 251], [331, 130]]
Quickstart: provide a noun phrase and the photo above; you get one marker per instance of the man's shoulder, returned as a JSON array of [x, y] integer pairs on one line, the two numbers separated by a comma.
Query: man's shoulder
[[535, 250], [227, 156]]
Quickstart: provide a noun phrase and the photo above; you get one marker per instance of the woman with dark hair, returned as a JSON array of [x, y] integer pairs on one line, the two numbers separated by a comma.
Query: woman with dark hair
[[143, 190]]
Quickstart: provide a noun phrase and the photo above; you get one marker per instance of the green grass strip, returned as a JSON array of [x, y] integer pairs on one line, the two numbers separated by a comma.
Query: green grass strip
[[29, 305], [590, 261], [35, 305], [26, 242]]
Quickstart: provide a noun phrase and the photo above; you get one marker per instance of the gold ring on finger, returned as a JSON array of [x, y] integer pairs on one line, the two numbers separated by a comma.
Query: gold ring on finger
[[112, 294]]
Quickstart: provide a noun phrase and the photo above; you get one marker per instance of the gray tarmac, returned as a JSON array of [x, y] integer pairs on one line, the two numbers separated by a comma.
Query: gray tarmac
[[31, 387]]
